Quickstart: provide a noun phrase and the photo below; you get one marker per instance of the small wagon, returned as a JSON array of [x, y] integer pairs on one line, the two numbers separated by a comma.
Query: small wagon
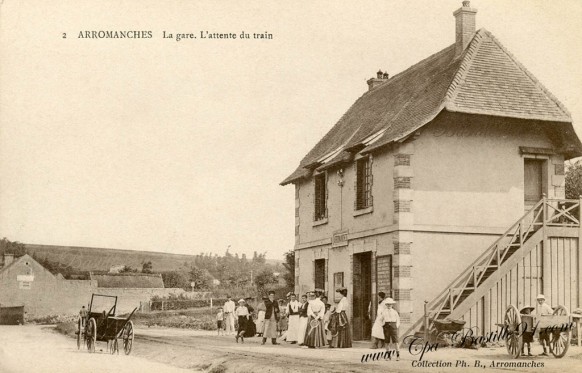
[[447, 329], [556, 327], [102, 325]]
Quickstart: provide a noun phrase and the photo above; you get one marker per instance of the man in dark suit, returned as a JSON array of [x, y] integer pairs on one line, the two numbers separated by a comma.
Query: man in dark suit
[[271, 319]]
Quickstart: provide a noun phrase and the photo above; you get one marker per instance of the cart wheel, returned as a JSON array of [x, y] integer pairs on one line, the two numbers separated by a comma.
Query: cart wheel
[[91, 335], [128, 337], [514, 341], [560, 339], [113, 346]]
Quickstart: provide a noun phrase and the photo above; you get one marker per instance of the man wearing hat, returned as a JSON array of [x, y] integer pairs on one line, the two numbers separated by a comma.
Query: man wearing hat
[[527, 336], [229, 315], [543, 308], [271, 319]]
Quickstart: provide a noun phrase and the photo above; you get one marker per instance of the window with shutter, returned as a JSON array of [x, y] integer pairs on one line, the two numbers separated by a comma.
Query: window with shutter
[[320, 198], [363, 185]]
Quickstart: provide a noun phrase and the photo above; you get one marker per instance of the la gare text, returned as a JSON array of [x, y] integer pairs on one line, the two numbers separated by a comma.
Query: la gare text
[[135, 34], [217, 35]]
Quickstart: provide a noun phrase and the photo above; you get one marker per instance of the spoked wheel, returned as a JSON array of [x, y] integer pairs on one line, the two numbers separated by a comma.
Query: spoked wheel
[[113, 346], [128, 337], [91, 335], [514, 340], [560, 339]]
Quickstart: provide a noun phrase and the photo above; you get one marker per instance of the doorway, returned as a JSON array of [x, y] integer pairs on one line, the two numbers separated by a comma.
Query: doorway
[[362, 295], [534, 182]]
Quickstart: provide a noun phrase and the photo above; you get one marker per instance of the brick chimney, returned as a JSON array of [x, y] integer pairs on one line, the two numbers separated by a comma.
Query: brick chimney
[[464, 26], [380, 78]]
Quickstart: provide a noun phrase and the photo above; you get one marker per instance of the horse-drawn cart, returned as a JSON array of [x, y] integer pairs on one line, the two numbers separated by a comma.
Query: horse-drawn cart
[[555, 329], [102, 325]]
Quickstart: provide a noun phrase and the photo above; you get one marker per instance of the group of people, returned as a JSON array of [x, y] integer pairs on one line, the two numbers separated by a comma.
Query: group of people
[[310, 322], [541, 309]]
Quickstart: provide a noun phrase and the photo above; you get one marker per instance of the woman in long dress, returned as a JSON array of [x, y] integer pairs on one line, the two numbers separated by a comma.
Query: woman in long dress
[[303, 319], [315, 335], [339, 324], [377, 328], [242, 312], [282, 324], [251, 328], [293, 315], [261, 308]]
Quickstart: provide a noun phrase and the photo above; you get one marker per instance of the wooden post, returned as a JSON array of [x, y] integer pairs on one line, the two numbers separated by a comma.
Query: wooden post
[[162, 305], [425, 322], [546, 266], [210, 304], [579, 258]]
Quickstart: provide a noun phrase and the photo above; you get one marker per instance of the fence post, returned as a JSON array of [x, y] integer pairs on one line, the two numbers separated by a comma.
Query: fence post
[[162, 305], [425, 321], [211, 304]]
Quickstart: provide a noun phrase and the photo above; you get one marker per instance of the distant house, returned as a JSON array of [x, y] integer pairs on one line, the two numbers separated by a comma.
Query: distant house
[[411, 191], [127, 280], [25, 282]]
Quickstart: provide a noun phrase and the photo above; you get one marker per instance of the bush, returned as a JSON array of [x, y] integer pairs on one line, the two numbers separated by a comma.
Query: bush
[[182, 304]]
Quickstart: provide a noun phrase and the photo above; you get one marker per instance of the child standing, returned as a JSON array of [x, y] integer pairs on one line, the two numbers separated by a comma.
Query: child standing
[[527, 336], [391, 322], [326, 319], [219, 320]]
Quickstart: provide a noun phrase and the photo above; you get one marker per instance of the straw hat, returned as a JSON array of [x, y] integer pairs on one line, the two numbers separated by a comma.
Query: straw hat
[[526, 308], [241, 300], [541, 296], [389, 301]]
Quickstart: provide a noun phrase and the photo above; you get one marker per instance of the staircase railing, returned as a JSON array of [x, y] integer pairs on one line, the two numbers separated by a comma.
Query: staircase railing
[[547, 212]]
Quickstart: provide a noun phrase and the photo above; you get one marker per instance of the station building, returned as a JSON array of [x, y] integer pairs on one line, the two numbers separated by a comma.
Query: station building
[[445, 184]]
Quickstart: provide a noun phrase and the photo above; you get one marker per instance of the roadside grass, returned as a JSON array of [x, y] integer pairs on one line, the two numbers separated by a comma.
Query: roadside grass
[[195, 318]]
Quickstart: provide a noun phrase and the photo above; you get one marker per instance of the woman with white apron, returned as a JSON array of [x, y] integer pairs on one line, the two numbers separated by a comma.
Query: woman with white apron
[[378, 327]]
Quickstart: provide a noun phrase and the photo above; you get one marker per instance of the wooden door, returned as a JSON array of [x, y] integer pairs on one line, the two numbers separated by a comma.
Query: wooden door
[[362, 295], [533, 182]]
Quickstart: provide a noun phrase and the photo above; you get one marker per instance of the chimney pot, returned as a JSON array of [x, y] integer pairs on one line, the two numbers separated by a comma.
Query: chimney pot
[[379, 74], [464, 26], [385, 76]]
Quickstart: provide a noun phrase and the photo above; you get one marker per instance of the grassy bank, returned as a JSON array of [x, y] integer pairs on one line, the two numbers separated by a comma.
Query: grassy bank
[[195, 318]]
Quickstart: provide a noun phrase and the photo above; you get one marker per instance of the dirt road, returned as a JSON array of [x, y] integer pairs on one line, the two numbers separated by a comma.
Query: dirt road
[[38, 349], [32, 348], [252, 357]]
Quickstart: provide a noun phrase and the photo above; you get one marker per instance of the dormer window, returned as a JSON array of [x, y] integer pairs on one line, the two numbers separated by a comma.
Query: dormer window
[[320, 197]]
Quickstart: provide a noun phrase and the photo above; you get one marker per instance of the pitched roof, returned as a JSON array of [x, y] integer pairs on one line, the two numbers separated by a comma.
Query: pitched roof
[[127, 280], [485, 79]]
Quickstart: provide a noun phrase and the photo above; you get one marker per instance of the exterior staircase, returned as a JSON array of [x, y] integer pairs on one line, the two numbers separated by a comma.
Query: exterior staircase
[[504, 254]]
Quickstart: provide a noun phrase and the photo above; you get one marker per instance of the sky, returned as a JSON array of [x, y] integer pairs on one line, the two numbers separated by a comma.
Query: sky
[[179, 146]]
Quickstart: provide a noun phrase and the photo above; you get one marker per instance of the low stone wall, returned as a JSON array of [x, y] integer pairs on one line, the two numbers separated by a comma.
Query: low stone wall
[[128, 299]]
